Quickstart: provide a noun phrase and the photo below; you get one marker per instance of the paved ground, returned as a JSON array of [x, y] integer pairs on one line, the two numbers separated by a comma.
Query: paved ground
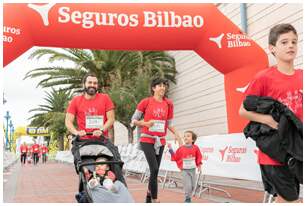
[[57, 182]]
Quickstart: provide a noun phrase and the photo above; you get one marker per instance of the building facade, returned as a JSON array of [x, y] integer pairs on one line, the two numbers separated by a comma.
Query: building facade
[[198, 95]]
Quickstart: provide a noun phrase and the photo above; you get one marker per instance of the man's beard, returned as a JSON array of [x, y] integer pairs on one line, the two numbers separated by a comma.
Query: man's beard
[[90, 91]]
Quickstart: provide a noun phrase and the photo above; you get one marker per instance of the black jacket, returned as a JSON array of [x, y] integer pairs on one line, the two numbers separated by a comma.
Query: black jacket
[[283, 144]]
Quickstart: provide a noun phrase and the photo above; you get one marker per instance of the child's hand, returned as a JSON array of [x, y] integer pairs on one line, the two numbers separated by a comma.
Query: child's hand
[[199, 168], [169, 145], [92, 183], [111, 175]]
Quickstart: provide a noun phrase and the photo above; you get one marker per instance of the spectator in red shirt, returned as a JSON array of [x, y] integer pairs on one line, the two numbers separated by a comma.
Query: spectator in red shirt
[[35, 149], [44, 151], [284, 83], [23, 152], [188, 157], [157, 114]]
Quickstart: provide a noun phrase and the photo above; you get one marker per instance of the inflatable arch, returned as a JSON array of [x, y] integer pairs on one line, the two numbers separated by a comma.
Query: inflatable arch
[[199, 27]]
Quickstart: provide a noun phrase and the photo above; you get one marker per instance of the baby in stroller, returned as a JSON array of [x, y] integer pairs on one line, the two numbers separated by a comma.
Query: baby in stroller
[[101, 176], [99, 167], [103, 185]]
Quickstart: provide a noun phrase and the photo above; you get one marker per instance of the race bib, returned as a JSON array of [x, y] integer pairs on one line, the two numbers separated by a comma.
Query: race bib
[[94, 122], [159, 126], [189, 163]]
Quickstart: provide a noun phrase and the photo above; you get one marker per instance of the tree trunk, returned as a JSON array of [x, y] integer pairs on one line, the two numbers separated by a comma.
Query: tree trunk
[[111, 134], [60, 142]]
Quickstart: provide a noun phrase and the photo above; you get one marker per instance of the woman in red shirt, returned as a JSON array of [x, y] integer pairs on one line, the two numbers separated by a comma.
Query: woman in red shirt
[[23, 152], [154, 115]]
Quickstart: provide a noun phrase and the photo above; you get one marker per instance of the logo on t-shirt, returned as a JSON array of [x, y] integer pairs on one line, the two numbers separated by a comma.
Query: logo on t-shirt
[[91, 111], [159, 112], [293, 100]]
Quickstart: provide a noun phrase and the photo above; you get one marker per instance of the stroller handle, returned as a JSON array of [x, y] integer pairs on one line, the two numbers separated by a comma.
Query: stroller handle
[[77, 137]]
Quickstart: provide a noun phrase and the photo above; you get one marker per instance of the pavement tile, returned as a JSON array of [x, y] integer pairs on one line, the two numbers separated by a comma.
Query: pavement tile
[[57, 182]]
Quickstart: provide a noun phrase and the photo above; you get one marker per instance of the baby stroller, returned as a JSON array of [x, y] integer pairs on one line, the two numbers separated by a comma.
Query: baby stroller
[[85, 153]]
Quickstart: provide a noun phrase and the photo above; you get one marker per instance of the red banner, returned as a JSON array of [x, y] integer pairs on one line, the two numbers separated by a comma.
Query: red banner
[[199, 27]]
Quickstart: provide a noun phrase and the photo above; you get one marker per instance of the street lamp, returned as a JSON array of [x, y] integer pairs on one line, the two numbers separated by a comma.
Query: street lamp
[[11, 133], [12, 140], [7, 117]]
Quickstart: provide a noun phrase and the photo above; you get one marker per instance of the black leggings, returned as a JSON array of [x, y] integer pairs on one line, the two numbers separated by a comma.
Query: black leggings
[[154, 163], [23, 157], [44, 158], [35, 158]]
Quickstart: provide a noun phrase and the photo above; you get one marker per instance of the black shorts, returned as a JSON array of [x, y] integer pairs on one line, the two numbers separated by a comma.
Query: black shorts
[[279, 180]]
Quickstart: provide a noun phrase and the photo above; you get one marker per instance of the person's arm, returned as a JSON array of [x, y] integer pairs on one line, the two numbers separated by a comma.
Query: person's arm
[[138, 116], [69, 124], [170, 149], [170, 123], [138, 121], [172, 153], [142, 123], [198, 158], [176, 135], [110, 120], [257, 117]]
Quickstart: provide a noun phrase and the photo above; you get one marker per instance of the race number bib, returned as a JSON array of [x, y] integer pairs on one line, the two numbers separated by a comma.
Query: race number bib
[[159, 126], [94, 122], [189, 163]]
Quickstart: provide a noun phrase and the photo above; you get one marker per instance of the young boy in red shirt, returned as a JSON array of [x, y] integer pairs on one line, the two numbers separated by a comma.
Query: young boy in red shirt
[[283, 83], [188, 157]]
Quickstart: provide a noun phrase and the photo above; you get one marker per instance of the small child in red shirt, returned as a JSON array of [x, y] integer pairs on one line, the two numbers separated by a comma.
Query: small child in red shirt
[[188, 157]]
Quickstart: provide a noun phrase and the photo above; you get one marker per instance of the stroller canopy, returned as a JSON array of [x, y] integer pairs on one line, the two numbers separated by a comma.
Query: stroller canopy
[[95, 150]]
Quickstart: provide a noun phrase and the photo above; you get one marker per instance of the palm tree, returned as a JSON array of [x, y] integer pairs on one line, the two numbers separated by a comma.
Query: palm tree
[[119, 73], [52, 114], [110, 66], [126, 99]]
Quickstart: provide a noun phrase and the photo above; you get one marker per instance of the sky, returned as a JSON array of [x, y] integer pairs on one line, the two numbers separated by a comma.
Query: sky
[[22, 95]]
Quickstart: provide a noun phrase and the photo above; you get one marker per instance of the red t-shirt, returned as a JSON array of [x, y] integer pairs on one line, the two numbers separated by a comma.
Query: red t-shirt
[[90, 113], [160, 112], [44, 149], [35, 148], [191, 155], [23, 148], [287, 89]]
